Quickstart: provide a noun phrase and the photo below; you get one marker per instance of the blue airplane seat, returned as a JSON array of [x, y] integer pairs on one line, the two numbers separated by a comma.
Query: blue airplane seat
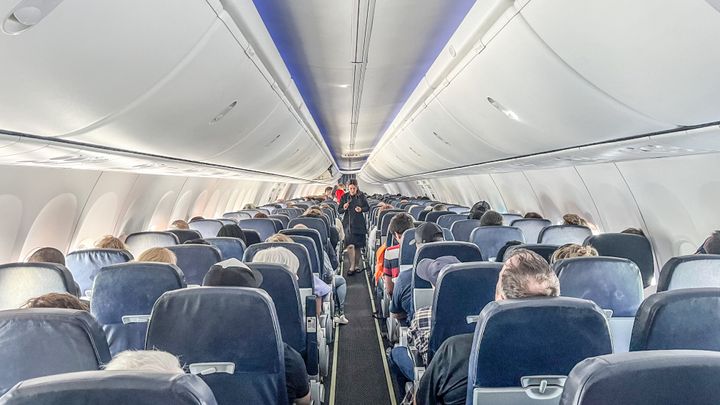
[[509, 218], [446, 221], [463, 251], [284, 219], [316, 224], [312, 234], [304, 272], [208, 228], [415, 211], [185, 235], [21, 281], [433, 216], [230, 248], [195, 261], [691, 271], [490, 239], [531, 227], [251, 237], [462, 229], [562, 234], [139, 242], [633, 247], [315, 264], [546, 251], [263, 226], [85, 264]]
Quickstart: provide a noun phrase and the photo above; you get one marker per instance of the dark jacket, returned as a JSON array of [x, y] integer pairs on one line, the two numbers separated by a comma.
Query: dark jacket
[[354, 222]]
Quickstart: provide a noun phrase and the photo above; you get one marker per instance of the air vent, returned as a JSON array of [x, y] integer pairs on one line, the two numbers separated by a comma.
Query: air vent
[[441, 139], [28, 14], [223, 113], [510, 114], [273, 140]]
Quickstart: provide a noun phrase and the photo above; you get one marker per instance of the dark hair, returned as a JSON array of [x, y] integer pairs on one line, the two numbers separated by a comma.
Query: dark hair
[[197, 218], [261, 215], [232, 231], [478, 209], [634, 231], [47, 255], [491, 218], [534, 215], [508, 245], [198, 241], [328, 189], [57, 300], [352, 182], [401, 223]]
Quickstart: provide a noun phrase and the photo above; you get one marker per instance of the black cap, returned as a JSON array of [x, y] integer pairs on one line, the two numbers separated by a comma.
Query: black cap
[[428, 232], [232, 273]]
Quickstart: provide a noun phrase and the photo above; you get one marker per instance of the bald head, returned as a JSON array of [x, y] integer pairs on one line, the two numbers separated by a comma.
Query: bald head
[[526, 274]]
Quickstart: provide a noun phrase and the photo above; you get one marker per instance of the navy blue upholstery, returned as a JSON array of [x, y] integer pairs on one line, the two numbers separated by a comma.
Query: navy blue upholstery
[[312, 234], [648, 378], [237, 215], [423, 215], [224, 324], [446, 221], [227, 221], [562, 234], [230, 248], [185, 235], [309, 244], [263, 226], [490, 239], [251, 236], [434, 215], [546, 251], [462, 290], [278, 224], [509, 218], [534, 336], [610, 282], [462, 229], [284, 219], [692, 271], [415, 211], [407, 247], [316, 224], [21, 281], [40, 342], [678, 319], [139, 242], [85, 264], [195, 260], [111, 387], [463, 251], [304, 272], [129, 289], [633, 247], [385, 218], [531, 227], [290, 212], [208, 228]]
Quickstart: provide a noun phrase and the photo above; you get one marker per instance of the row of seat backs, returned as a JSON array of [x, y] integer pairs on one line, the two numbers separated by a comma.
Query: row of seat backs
[[22, 281]]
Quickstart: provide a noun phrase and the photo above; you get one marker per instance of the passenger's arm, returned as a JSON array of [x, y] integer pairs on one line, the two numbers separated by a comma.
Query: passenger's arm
[[388, 284], [341, 205], [296, 377], [304, 400]]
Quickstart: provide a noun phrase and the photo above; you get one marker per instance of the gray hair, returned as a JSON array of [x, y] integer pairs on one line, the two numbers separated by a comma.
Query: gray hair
[[527, 274], [145, 360], [278, 255]]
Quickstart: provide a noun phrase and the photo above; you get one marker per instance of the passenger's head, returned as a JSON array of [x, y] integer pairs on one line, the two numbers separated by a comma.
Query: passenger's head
[[57, 300], [232, 273], [428, 232], [312, 212], [633, 231], [261, 215], [440, 207], [158, 254], [197, 218], [180, 224], [110, 242], [526, 274], [570, 250], [478, 209], [533, 215], [430, 269], [711, 245], [300, 226], [573, 219], [154, 361], [353, 187], [231, 231], [46, 255], [279, 237], [249, 206], [328, 191], [278, 255], [399, 224], [197, 241], [491, 218]]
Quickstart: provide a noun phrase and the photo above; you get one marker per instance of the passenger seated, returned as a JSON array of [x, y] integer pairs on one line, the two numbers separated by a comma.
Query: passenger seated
[[197, 218], [46, 255], [57, 300], [158, 254], [524, 274], [197, 241], [633, 231], [532, 215], [180, 224], [570, 250], [491, 218], [150, 361], [315, 212], [261, 215], [478, 209], [110, 242], [232, 231], [234, 273], [372, 236], [508, 245], [401, 306], [391, 255], [574, 219], [439, 207], [711, 245]]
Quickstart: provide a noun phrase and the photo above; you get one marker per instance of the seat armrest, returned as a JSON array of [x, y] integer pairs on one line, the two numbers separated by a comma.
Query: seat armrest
[[311, 339]]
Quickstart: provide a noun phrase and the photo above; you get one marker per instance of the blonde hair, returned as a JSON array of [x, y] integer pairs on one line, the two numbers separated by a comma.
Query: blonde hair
[[110, 242], [180, 224], [278, 255], [278, 237], [158, 254], [145, 360], [574, 219], [527, 274], [570, 250], [300, 226]]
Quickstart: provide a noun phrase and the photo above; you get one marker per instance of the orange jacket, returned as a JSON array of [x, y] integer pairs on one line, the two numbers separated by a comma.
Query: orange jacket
[[379, 258]]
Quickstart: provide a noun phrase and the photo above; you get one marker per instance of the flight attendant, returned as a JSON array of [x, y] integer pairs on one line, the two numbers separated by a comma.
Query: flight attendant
[[353, 205]]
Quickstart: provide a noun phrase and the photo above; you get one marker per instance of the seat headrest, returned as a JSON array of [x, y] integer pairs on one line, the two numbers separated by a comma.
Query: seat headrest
[[230, 248], [535, 336], [112, 387], [21, 281], [562, 234], [610, 282], [304, 272], [85, 264], [185, 235], [633, 247], [463, 251], [490, 239], [195, 260], [139, 242], [208, 228], [312, 223], [645, 378], [692, 271], [462, 229], [265, 227], [45, 341], [678, 319]]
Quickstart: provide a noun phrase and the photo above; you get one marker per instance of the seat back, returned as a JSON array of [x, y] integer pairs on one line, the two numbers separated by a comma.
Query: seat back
[[612, 283], [46, 341], [562, 234], [509, 218], [415, 211], [648, 378], [462, 229], [111, 387], [462, 290], [233, 326], [316, 224], [434, 215], [251, 236], [446, 221], [309, 244], [385, 218], [284, 219], [237, 215], [312, 234], [636, 248], [546, 251], [139, 242], [692, 271], [195, 261], [463, 251], [423, 215], [227, 221], [21, 281], [185, 235], [304, 273], [290, 212], [678, 319], [85, 264], [263, 226], [208, 228], [230, 248], [407, 249], [531, 227], [459, 209], [543, 338], [490, 239], [123, 297]]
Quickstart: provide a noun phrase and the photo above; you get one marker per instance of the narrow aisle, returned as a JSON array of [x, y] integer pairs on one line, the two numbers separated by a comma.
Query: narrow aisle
[[361, 373]]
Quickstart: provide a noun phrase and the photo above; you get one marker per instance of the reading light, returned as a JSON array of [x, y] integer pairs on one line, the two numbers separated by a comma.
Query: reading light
[[502, 109]]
